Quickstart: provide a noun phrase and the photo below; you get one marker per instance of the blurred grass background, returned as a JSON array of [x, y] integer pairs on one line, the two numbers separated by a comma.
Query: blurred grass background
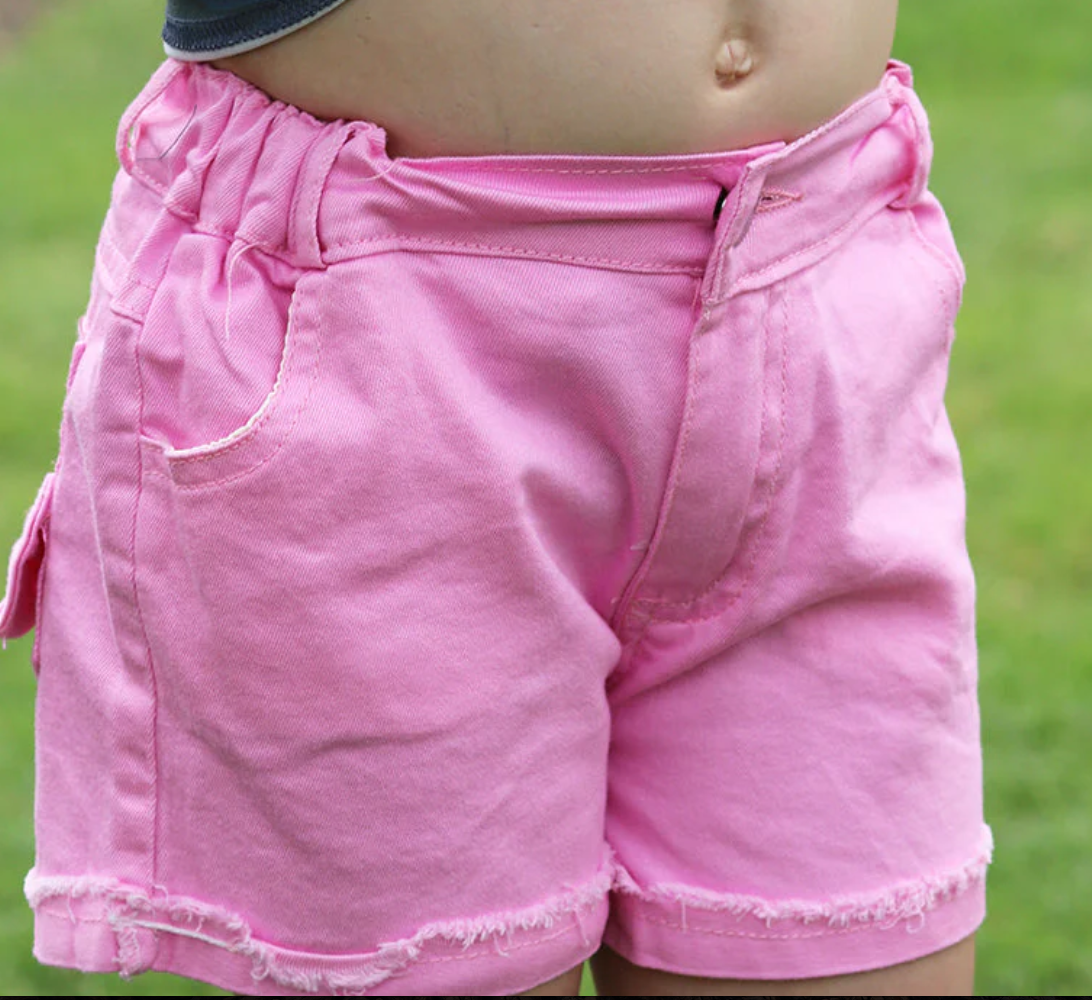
[[1009, 89]]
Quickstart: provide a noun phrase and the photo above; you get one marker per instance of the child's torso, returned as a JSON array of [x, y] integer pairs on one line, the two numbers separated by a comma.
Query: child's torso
[[466, 77]]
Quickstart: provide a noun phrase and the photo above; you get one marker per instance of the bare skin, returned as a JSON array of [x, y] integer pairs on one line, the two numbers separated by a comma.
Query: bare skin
[[614, 77], [565, 985], [556, 76], [948, 973]]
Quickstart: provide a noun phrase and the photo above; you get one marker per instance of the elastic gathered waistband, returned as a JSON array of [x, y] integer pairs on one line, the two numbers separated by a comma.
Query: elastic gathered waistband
[[224, 155]]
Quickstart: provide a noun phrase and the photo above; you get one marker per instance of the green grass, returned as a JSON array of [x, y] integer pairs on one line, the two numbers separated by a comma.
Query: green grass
[[1009, 89]]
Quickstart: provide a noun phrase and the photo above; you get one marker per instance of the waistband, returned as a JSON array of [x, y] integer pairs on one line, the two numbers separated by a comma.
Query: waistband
[[225, 156]]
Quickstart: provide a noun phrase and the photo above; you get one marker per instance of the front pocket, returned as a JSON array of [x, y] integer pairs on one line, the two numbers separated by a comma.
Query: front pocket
[[267, 432], [26, 568], [227, 361]]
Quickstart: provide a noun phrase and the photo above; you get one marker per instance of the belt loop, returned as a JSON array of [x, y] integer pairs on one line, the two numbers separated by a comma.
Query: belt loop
[[304, 243], [907, 106], [737, 212]]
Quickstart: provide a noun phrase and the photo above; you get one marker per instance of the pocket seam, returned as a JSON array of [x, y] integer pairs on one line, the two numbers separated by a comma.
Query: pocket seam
[[253, 425], [257, 427], [955, 272]]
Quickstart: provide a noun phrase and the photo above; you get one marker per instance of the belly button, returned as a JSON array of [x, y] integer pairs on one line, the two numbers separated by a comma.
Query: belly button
[[735, 60]]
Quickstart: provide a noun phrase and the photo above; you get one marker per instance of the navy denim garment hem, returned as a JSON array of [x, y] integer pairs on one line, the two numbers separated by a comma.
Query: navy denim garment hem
[[208, 29]]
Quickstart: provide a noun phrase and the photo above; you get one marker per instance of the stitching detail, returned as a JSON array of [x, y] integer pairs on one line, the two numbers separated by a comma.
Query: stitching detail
[[129, 276], [173, 206], [105, 268], [249, 436], [190, 487], [130, 910], [906, 902], [138, 610], [148, 180], [831, 932], [953, 301], [757, 531], [245, 435], [856, 220], [413, 243], [697, 340], [691, 168], [155, 88], [773, 199], [304, 212]]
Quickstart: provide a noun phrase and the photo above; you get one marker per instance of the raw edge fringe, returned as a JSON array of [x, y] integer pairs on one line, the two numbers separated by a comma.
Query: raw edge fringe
[[132, 911], [906, 901]]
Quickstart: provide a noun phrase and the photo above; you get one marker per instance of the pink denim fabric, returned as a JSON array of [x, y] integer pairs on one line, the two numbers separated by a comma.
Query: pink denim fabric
[[452, 564]]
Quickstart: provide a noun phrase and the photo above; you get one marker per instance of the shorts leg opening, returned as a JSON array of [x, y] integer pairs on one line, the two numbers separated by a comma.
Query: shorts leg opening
[[692, 931], [103, 925]]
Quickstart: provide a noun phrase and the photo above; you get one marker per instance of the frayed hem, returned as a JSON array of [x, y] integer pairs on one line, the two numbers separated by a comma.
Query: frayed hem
[[906, 902], [136, 918]]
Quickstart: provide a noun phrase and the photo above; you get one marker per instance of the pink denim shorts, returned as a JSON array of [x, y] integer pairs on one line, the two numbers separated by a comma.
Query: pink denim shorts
[[453, 564]]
